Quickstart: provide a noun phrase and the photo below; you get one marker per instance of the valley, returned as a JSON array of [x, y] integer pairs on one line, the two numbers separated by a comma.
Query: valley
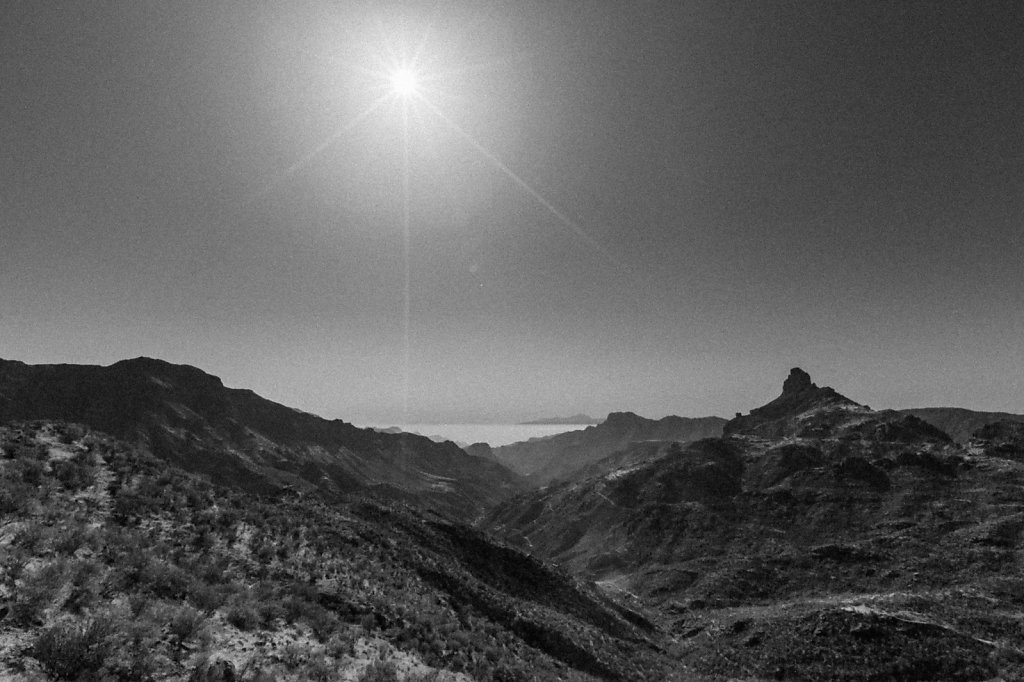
[[158, 525]]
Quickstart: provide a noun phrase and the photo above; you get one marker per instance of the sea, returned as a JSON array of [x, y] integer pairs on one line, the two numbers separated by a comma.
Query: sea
[[492, 434]]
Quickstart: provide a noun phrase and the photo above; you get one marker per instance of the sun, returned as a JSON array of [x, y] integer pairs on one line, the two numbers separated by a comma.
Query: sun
[[404, 82]]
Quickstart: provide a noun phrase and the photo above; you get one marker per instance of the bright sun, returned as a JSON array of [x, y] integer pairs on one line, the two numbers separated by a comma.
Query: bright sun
[[403, 82]]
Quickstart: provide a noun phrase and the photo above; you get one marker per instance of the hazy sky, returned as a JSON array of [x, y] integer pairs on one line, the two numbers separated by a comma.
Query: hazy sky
[[738, 188]]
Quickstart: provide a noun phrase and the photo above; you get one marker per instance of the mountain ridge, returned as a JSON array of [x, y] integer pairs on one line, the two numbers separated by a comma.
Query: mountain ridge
[[550, 457], [189, 417]]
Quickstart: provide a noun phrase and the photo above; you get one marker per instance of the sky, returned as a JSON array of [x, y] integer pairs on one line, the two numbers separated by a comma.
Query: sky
[[586, 207]]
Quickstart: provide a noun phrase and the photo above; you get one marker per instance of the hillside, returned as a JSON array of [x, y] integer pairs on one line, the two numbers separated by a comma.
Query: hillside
[[545, 459], [959, 423], [820, 539], [117, 565], [188, 417]]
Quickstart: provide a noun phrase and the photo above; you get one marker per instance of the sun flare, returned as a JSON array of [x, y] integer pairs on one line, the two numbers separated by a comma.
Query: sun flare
[[404, 82]]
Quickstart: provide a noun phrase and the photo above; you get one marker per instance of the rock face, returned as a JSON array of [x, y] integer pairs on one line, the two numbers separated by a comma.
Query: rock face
[[188, 417], [558, 456]]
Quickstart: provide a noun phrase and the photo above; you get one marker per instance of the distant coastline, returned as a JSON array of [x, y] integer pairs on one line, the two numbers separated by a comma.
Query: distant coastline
[[494, 435], [576, 419]]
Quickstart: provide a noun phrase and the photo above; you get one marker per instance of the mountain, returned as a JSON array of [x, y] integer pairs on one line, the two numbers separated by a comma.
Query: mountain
[[804, 410], [959, 423], [551, 457], [188, 417], [117, 565], [818, 539], [575, 419]]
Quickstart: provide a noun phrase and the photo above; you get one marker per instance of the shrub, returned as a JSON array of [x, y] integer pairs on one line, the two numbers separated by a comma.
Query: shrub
[[70, 651], [85, 585], [185, 622], [379, 671], [14, 496], [165, 579], [243, 615], [37, 592], [321, 621], [206, 597], [76, 473]]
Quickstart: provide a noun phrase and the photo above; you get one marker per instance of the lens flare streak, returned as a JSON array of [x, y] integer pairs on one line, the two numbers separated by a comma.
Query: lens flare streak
[[319, 149], [498, 163]]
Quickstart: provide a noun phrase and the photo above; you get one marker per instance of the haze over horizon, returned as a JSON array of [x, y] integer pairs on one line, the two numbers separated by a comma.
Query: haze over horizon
[[658, 208]]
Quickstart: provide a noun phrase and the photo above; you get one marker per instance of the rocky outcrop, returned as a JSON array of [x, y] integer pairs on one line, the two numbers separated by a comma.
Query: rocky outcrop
[[802, 407]]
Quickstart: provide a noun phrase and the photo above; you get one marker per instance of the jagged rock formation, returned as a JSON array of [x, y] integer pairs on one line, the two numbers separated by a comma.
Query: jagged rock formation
[[804, 410], [803, 406], [188, 417], [558, 456]]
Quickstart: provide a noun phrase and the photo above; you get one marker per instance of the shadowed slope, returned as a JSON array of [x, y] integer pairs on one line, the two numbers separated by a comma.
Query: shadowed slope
[[558, 456], [189, 417]]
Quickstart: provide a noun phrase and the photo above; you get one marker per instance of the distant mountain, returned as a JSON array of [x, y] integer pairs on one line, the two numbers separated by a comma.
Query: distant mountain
[[816, 529], [959, 423], [190, 418], [545, 459], [804, 410], [575, 419]]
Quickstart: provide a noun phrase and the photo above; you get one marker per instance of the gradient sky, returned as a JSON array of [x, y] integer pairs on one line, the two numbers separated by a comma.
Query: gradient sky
[[751, 186]]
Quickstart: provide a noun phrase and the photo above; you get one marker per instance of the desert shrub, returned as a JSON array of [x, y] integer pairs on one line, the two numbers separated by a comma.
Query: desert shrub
[[242, 614], [164, 579], [322, 622], [72, 538], [206, 597], [319, 670], [184, 622], [134, 658], [15, 496], [342, 643], [86, 578], [37, 591], [69, 433], [73, 650], [379, 671], [30, 471], [76, 473]]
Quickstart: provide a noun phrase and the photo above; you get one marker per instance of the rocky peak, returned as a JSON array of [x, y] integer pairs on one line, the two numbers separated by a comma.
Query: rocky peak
[[624, 420], [798, 381], [799, 396]]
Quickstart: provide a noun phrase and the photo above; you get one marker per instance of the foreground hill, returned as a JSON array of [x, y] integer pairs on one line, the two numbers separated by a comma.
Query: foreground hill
[[116, 565], [819, 540], [188, 417], [553, 457]]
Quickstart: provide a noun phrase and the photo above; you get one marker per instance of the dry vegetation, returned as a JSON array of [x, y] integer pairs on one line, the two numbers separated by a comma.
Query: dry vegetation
[[116, 565]]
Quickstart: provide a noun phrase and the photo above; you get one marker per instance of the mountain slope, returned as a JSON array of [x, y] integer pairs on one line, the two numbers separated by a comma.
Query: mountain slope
[[189, 417], [154, 573], [817, 526], [545, 459]]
